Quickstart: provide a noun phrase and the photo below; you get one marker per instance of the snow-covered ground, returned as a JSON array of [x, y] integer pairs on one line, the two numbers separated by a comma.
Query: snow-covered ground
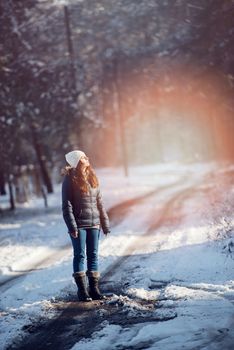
[[185, 267]]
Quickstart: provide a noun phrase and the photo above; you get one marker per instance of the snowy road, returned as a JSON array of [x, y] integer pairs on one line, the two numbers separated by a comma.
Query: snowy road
[[171, 279], [116, 214], [73, 311]]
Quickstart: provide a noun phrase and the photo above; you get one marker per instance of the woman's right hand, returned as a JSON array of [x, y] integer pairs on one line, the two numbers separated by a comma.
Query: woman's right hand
[[74, 234]]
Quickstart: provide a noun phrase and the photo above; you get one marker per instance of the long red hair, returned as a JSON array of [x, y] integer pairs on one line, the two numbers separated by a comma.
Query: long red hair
[[82, 180]]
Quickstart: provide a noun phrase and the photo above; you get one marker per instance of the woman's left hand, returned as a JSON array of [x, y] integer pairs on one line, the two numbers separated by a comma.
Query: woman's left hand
[[74, 234]]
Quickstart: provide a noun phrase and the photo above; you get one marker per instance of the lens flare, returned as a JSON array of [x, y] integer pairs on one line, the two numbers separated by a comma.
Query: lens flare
[[177, 115]]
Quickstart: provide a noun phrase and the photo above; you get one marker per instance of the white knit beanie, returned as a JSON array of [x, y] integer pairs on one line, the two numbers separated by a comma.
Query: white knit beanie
[[73, 158]]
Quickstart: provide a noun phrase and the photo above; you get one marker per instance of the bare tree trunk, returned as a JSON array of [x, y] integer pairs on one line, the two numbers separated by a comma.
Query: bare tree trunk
[[70, 49], [12, 199], [44, 172], [36, 181], [121, 115], [44, 195], [21, 189], [2, 184]]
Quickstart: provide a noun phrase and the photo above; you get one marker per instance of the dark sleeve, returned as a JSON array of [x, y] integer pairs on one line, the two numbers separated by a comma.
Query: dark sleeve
[[67, 205], [103, 214]]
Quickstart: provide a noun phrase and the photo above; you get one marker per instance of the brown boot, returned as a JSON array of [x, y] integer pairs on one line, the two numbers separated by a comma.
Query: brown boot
[[94, 291], [82, 292]]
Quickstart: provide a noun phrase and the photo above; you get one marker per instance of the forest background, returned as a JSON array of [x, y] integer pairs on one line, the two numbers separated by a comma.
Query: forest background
[[129, 82]]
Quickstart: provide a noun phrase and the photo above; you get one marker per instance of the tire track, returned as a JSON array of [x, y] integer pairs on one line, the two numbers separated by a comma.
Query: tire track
[[163, 217]]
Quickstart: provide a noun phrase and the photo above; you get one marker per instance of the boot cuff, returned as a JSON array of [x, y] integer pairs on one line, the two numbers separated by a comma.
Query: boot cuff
[[93, 273], [78, 274]]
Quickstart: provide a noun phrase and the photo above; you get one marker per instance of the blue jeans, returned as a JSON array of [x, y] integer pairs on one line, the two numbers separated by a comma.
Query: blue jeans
[[89, 239]]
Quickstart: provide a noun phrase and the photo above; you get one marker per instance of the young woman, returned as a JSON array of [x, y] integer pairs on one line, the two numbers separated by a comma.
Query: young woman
[[84, 215]]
